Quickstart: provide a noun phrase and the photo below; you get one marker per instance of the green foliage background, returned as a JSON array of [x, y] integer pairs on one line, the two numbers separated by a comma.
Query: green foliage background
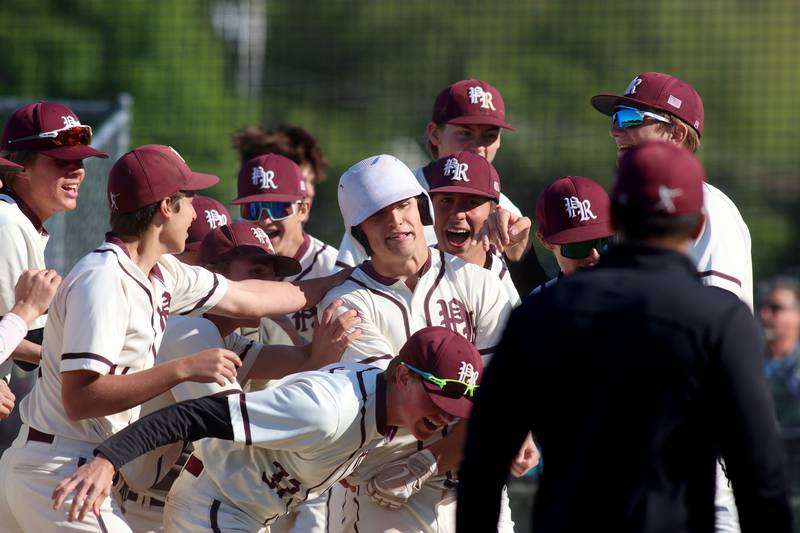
[[362, 76]]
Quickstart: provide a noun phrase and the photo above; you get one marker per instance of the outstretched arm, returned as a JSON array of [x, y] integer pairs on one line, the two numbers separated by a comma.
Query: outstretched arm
[[186, 421]]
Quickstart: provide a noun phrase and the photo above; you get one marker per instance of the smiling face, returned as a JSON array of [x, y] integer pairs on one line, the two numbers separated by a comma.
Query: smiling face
[[50, 185], [481, 139], [417, 412], [395, 232], [286, 235], [176, 228], [457, 219]]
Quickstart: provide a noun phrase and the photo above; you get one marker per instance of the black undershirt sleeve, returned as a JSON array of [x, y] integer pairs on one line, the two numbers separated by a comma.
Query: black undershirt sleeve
[[528, 273], [186, 421]]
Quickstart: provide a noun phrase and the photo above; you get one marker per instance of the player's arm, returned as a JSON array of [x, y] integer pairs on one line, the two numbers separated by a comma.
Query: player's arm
[[257, 298], [90, 394], [32, 295], [191, 420], [748, 436], [491, 445]]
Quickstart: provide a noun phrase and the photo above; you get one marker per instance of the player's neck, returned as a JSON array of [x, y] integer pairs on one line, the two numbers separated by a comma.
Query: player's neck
[[404, 268], [781, 348], [144, 251]]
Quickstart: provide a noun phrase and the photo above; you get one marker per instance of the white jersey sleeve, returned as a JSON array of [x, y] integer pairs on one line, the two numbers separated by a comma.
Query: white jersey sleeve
[[196, 290], [298, 413], [722, 253], [95, 321]]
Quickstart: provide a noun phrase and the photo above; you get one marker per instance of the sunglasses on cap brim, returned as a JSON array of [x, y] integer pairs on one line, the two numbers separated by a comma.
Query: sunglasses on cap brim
[[452, 388], [628, 117], [275, 210], [582, 250], [69, 136]]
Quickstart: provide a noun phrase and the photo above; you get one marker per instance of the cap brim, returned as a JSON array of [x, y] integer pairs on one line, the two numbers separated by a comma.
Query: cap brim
[[465, 190], [606, 103], [266, 197], [459, 407], [481, 119], [6, 165], [199, 181], [73, 153], [581, 233], [284, 266]]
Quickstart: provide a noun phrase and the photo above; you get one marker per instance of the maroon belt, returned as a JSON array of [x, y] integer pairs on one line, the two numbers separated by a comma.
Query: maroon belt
[[194, 466], [38, 436]]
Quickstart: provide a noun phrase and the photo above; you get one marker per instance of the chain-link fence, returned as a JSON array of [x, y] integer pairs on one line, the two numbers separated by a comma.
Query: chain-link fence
[[362, 77]]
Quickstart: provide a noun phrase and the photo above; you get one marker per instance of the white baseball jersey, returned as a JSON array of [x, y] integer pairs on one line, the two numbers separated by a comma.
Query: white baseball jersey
[[109, 317], [23, 240], [722, 252], [295, 439], [183, 336], [496, 263], [317, 260], [351, 253]]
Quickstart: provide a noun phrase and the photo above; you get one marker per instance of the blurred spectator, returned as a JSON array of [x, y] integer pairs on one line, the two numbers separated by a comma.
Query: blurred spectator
[[293, 142], [780, 317]]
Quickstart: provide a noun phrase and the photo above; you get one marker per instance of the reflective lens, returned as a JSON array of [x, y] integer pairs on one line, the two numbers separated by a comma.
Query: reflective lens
[[70, 136], [581, 250], [627, 117], [275, 210]]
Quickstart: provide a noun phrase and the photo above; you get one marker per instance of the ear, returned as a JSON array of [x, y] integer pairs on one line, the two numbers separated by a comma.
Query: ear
[[550, 247], [166, 208], [434, 133], [679, 133], [304, 209]]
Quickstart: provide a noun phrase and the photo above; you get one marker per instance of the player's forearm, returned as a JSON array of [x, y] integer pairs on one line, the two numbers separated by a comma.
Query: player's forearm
[[88, 394], [191, 420], [27, 351]]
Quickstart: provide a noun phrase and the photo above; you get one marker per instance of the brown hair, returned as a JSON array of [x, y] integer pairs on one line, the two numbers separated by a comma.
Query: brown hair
[[433, 150], [24, 158], [293, 142], [135, 223], [391, 370], [692, 141]]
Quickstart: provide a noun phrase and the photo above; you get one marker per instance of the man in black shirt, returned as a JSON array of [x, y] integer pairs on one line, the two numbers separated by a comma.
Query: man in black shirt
[[645, 375]]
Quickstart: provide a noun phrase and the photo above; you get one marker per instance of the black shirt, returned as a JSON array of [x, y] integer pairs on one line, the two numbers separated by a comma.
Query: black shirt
[[633, 378]]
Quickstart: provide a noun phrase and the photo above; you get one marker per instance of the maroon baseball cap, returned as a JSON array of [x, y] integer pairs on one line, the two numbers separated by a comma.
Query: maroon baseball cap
[[446, 355], [463, 172], [6, 165], [210, 214], [270, 178], [150, 173], [658, 91], [244, 239], [24, 130], [659, 178], [573, 209], [470, 102]]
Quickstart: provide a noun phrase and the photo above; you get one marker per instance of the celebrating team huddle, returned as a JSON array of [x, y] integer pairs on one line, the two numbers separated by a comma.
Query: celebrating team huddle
[[322, 389]]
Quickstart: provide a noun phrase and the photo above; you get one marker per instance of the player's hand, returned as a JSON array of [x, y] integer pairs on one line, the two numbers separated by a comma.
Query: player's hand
[[397, 481], [507, 232], [527, 458], [91, 484], [216, 365], [332, 335], [6, 400], [33, 292]]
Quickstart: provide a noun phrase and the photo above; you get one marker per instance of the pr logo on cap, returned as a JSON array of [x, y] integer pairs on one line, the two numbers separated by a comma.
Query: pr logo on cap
[[579, 208], [214, 219], [262, 237], [263, 179], [456, 170], [631, 88], [477, 94], [467, 373]]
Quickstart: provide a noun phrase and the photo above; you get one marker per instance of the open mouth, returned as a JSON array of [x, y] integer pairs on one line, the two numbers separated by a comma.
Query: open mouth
[[71, 190], [400, 236], [430, 424], [458, 237]]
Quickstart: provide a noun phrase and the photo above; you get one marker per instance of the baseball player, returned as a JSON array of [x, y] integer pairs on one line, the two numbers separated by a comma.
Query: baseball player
[[105, 326], [658, 106], [210, 214], [574, 217], [50, 143], [465, 189], [467, 116], [272, 194], [291, 441], [404, 287]]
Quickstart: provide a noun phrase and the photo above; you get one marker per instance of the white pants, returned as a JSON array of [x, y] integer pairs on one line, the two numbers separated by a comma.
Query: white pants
[[195, 505], [726, 515], [30, 471], [309, 517], [431, 510], [139, 511]]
